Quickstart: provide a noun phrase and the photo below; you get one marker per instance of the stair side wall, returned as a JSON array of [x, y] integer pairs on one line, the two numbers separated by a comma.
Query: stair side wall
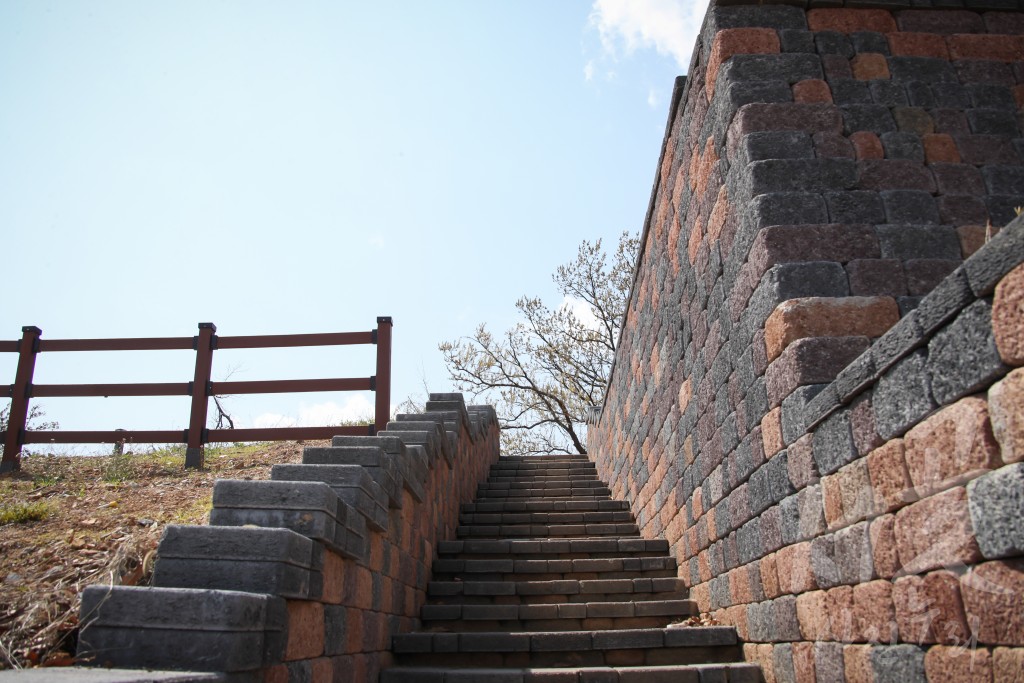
[[339, 604], [814, 398]]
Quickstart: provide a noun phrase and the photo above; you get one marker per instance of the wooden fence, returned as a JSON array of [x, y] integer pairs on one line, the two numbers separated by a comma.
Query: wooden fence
[[200, 388]]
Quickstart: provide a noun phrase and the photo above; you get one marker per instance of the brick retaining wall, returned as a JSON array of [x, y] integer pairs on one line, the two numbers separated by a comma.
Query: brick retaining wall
[[834, 456]]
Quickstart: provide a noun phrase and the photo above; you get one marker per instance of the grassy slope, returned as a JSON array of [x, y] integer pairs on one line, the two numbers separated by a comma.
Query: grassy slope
[[67, 522]]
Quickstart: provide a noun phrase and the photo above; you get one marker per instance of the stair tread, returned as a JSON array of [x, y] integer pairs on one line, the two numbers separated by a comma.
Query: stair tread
[[738, 672], [617, 639]]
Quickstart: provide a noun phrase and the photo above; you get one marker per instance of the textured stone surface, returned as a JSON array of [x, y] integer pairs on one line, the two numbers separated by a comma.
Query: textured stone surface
[[951, 447], [898, 664], [903, 396], [1008, 317], [929, 609], [1006, 411], [962, 357], [952, 664], [936, 532], [890, 480], [991, 594], [996, 503], [828, 317]]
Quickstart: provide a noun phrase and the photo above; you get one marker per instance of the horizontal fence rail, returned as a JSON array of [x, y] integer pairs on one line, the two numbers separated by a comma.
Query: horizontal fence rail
[[201, 388]]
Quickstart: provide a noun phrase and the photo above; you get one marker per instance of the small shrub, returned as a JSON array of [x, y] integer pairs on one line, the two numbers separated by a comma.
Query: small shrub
[[19, 513]]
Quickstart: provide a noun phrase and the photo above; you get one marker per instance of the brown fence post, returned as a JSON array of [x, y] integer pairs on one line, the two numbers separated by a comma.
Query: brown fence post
[[382, 407], [16, 419], [204, 344]]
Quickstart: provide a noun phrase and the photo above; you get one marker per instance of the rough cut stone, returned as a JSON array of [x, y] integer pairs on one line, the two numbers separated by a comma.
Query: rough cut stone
[[828, 317], [992, 600], [951, 447], [996, 502], [1008, 317], [1006, 410], [936, 532]]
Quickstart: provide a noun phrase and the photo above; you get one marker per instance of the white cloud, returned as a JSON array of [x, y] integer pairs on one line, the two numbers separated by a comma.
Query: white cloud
[[669, 26], [653, 98], [582, 311], [588, 71], [355, 407]]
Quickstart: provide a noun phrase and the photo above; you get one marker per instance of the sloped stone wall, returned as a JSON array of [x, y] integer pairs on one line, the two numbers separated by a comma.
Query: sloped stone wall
[[304, 577], [787, 406]]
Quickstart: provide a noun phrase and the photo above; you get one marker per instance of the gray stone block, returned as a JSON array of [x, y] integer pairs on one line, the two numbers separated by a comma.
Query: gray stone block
[[782, 662], [381, 466], [250, 576], [833, 43], [748, 541], [856, 207], [993, 122], [275, 495], [923, 69], [996, 258], [850, 91], [853, 558], [739, 93], [833, 443], [314, 524], [907, 207], [828, 661], [907, 242], [351, 483], [901, 145], [786, 625], [875, 118], [888, 93], [897, 342], [870, 41], [795, 175], [794, 40], [787, 208], [944, 302], [898, 664], [962, 357], [854, 378], [746, 16], [809, 278], [169, 628], [236, 543], [996, 502], [903, 396], [779, 144], [794, 421], [823, 562]]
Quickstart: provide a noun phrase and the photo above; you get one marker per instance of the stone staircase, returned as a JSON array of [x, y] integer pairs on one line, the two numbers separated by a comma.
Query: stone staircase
[[550, 581]]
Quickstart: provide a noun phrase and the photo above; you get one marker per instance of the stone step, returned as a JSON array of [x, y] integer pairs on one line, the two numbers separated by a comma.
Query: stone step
[[575, 616], [541, 483], [679, 673], [544, 505], [553, 548], [519, 470], [543, 478], [655, 647], [546, 517], [566, 590], [567, 493], [509, 569], [546, 530], [542, 458]]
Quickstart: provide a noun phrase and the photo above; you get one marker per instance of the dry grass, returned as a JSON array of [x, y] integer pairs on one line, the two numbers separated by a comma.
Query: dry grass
[[68, 522]]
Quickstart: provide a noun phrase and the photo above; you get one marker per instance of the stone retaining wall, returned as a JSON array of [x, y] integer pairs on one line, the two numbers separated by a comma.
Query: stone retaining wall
[[306, 576], [834, 456]]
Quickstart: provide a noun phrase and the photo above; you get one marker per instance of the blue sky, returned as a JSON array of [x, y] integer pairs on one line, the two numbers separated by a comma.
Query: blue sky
[[307, 166]]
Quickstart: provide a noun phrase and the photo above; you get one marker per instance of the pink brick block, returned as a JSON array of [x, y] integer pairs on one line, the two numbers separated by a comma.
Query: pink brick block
[[936, 532], [929, 609], [890, 481], [951, 447], [993, 595], [957, 664], [1006, 410]]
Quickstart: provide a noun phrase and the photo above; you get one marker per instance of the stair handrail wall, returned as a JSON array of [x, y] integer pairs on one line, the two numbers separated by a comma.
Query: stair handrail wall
[[201, 389], [305, 576]]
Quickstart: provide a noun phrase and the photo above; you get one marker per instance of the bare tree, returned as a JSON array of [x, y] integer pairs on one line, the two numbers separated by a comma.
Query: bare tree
[[545, 372]]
